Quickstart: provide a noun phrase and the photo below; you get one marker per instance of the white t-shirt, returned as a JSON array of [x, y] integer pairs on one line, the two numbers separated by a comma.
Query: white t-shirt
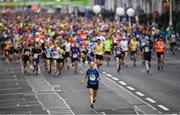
[[56, 53], [124, 45], [67, 47]]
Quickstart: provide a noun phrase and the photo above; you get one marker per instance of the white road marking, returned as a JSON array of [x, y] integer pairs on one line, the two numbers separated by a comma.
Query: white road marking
[[151, 100], [103, 72], [131, 88], [114, 78], [58, 90], [14, 75], [103, 113], [56, 86], [134, 96], [22, 70], [109, 75], [137, 110], [122, 83], [65, 103], [140, 94], [58, 94], [163, 107]]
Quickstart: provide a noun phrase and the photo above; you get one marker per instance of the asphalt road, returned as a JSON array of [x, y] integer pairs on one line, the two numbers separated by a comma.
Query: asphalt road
[[131, 91], [140, 93], [16, 95], [162, 87]]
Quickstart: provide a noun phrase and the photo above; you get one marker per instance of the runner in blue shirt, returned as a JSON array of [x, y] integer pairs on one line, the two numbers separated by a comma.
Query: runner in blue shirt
[[93, 76], [75, 56]]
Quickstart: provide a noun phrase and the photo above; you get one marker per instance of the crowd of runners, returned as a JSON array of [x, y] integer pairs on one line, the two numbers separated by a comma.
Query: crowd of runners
[[62, 41]]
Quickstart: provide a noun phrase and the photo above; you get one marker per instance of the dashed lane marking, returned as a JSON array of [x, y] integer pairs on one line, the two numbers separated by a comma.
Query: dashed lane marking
[[140, 94], [131, 88], [151, 100], [109, 75], [122, 83], [114, 78], [163, 107], [103, 72], [134, 96]]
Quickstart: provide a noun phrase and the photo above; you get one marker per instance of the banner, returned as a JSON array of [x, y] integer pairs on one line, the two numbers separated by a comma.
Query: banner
[[45, 3]]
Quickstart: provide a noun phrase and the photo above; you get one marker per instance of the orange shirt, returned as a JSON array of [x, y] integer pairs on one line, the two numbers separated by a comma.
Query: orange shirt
[[159, 45]]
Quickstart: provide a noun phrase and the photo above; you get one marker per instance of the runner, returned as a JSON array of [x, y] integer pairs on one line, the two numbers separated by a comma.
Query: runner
[[173, 43], [75, 56], [147, 55], [17, 50], [133, 45], [67, 53], [56, 59], [124, 47], [118, 55], [99, 51], [93, 77], [159, 46], [36, 52], [108, 49], [142, 42], [84, 52], [7, 50], [26, 57], [48, 54], [61, 59], [91, 47]]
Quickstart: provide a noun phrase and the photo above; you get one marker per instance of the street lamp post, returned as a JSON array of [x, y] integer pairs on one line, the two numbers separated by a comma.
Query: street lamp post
[[170, 12], [96, 9], [120, 12], [130, 12]]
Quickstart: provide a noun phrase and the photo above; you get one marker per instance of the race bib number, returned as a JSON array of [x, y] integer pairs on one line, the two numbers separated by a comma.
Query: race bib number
[[161, 47], [100, 53], [26, 53], [142, 43], [133, 48], [146, 49], [118, 52], [92, 78], [35, 56], [107, 46], [124, 48], [75, 55], [60, 55]]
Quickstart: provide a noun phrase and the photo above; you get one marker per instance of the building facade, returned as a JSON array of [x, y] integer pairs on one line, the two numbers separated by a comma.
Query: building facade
[[147, 6]]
